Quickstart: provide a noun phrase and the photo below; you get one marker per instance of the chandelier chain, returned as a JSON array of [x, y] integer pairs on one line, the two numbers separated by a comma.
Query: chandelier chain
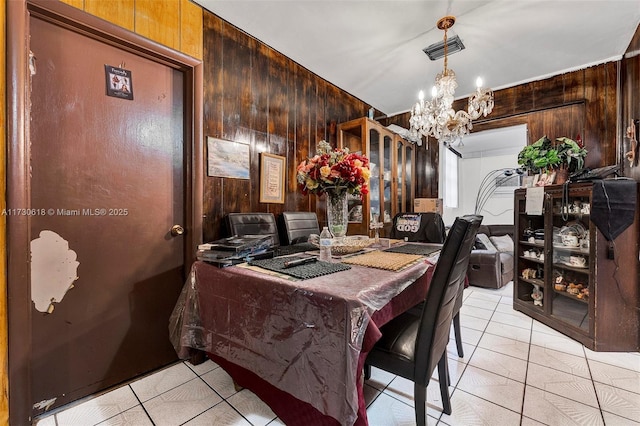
[[446, 50]]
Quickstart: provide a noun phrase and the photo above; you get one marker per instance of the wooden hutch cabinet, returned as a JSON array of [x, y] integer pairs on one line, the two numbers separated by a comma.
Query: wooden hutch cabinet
[[589, 287], [391, 186]]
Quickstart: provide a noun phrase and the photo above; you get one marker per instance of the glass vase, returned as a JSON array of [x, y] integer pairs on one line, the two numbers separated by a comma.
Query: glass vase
[[337, 213]]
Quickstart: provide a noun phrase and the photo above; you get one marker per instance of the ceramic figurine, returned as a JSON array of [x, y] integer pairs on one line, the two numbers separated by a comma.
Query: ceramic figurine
[[537, 296]]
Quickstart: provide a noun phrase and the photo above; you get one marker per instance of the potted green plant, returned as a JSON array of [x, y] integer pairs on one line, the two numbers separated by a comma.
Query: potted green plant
[[539, 156], [571, 154]]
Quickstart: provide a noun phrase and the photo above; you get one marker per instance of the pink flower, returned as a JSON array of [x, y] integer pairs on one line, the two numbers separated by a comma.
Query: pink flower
[[334, 170]]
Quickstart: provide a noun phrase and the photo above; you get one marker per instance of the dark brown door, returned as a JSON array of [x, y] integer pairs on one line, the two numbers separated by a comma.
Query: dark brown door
[[107, 185]]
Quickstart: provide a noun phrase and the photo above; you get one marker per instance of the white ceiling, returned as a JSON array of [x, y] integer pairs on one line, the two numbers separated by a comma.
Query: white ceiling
[[373, 49]]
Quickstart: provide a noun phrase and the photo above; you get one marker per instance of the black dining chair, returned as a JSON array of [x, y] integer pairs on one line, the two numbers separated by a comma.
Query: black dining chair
[[418, 227], [255, 223], [411, 346], [427, 228], [295, 227]]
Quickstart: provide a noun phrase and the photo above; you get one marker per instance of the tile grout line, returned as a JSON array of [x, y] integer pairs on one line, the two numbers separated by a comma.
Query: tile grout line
[[484, 331], [223, 400], [439, 418], [527, 361], [593, 384], [526, 374], [141, 404], [599, 408], [470, 353], [475, 347]]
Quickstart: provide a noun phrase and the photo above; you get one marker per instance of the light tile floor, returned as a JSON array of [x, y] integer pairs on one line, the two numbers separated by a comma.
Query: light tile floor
[[515, 371]]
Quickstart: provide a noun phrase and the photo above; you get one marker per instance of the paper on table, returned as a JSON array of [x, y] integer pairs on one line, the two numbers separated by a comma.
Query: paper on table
[[535, 198]]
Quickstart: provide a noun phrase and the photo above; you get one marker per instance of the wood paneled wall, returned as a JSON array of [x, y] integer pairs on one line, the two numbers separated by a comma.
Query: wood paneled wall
[[630, 84], [4, 342], [254, 94], [174, 23], [581, 103]]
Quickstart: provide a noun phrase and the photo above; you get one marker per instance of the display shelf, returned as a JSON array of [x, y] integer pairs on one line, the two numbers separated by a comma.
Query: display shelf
[[584, 300], [533, 281], [571, 312], [607, 318], [571, 268], [529, 244], [572, 250], [529, 303], [575, 216], [532, 259], [391, 184]]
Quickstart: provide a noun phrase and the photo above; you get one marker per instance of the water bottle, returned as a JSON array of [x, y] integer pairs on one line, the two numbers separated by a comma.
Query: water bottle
[[325, 245]]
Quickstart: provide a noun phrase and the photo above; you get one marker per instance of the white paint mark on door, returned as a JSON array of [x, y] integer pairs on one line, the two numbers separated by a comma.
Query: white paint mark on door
[[54, 268]]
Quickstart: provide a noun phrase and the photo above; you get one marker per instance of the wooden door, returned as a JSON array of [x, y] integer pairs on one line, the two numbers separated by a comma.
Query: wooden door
[[107, 185]]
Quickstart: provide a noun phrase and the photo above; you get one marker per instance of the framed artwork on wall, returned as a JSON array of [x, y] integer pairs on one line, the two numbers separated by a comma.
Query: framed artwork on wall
[[227, 158], [272, 172]]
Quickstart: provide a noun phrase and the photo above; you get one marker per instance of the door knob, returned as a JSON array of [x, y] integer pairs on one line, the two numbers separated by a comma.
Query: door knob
[[177, 230]]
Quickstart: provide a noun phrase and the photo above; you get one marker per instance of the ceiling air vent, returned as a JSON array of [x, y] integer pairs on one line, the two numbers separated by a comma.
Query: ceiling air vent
[[436, 50]]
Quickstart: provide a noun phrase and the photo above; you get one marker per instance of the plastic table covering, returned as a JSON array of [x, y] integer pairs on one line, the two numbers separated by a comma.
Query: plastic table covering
[[302, 337]]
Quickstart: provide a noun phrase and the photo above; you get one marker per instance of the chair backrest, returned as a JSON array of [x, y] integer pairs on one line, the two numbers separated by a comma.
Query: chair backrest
[[252, 224], [448, 277], [418, 227], [295, 227]]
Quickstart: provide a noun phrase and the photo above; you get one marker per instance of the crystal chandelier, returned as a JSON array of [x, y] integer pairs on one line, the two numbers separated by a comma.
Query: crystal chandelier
[[436, 118]]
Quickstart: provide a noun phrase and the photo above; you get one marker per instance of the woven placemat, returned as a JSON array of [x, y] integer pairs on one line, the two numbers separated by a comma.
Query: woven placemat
[[383, 260], [303, 272], [413, 249], [295, 248]]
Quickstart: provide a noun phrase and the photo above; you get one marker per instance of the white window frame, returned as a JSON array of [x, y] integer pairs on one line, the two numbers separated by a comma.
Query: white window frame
[[449, 171]]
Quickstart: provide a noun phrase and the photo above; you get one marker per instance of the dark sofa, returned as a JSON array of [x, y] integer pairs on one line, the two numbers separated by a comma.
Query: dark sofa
[[492, 267]]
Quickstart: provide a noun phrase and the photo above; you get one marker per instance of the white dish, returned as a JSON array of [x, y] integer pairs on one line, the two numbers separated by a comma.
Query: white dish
[[563, 246], [574, 266]]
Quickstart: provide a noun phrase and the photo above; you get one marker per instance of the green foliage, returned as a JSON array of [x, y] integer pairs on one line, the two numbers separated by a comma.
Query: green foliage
[[571, 153], [538, 156], [543, 156]]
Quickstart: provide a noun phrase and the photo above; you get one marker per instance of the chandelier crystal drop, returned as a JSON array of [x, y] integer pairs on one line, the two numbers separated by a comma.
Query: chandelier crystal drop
[[436, 118]]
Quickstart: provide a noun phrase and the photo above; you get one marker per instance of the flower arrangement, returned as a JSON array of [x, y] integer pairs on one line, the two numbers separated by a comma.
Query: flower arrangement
[[334, 171]]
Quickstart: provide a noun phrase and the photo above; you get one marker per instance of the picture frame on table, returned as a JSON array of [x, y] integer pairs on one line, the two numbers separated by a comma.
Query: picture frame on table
[[551, 178], [272, 178], [542, 179], [546, 179]]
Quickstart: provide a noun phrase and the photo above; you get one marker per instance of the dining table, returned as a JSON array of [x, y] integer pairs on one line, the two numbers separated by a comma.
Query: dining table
[[298, 343]]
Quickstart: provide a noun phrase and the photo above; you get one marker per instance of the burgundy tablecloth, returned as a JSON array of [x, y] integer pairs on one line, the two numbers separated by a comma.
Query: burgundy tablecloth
[[299, 345]]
